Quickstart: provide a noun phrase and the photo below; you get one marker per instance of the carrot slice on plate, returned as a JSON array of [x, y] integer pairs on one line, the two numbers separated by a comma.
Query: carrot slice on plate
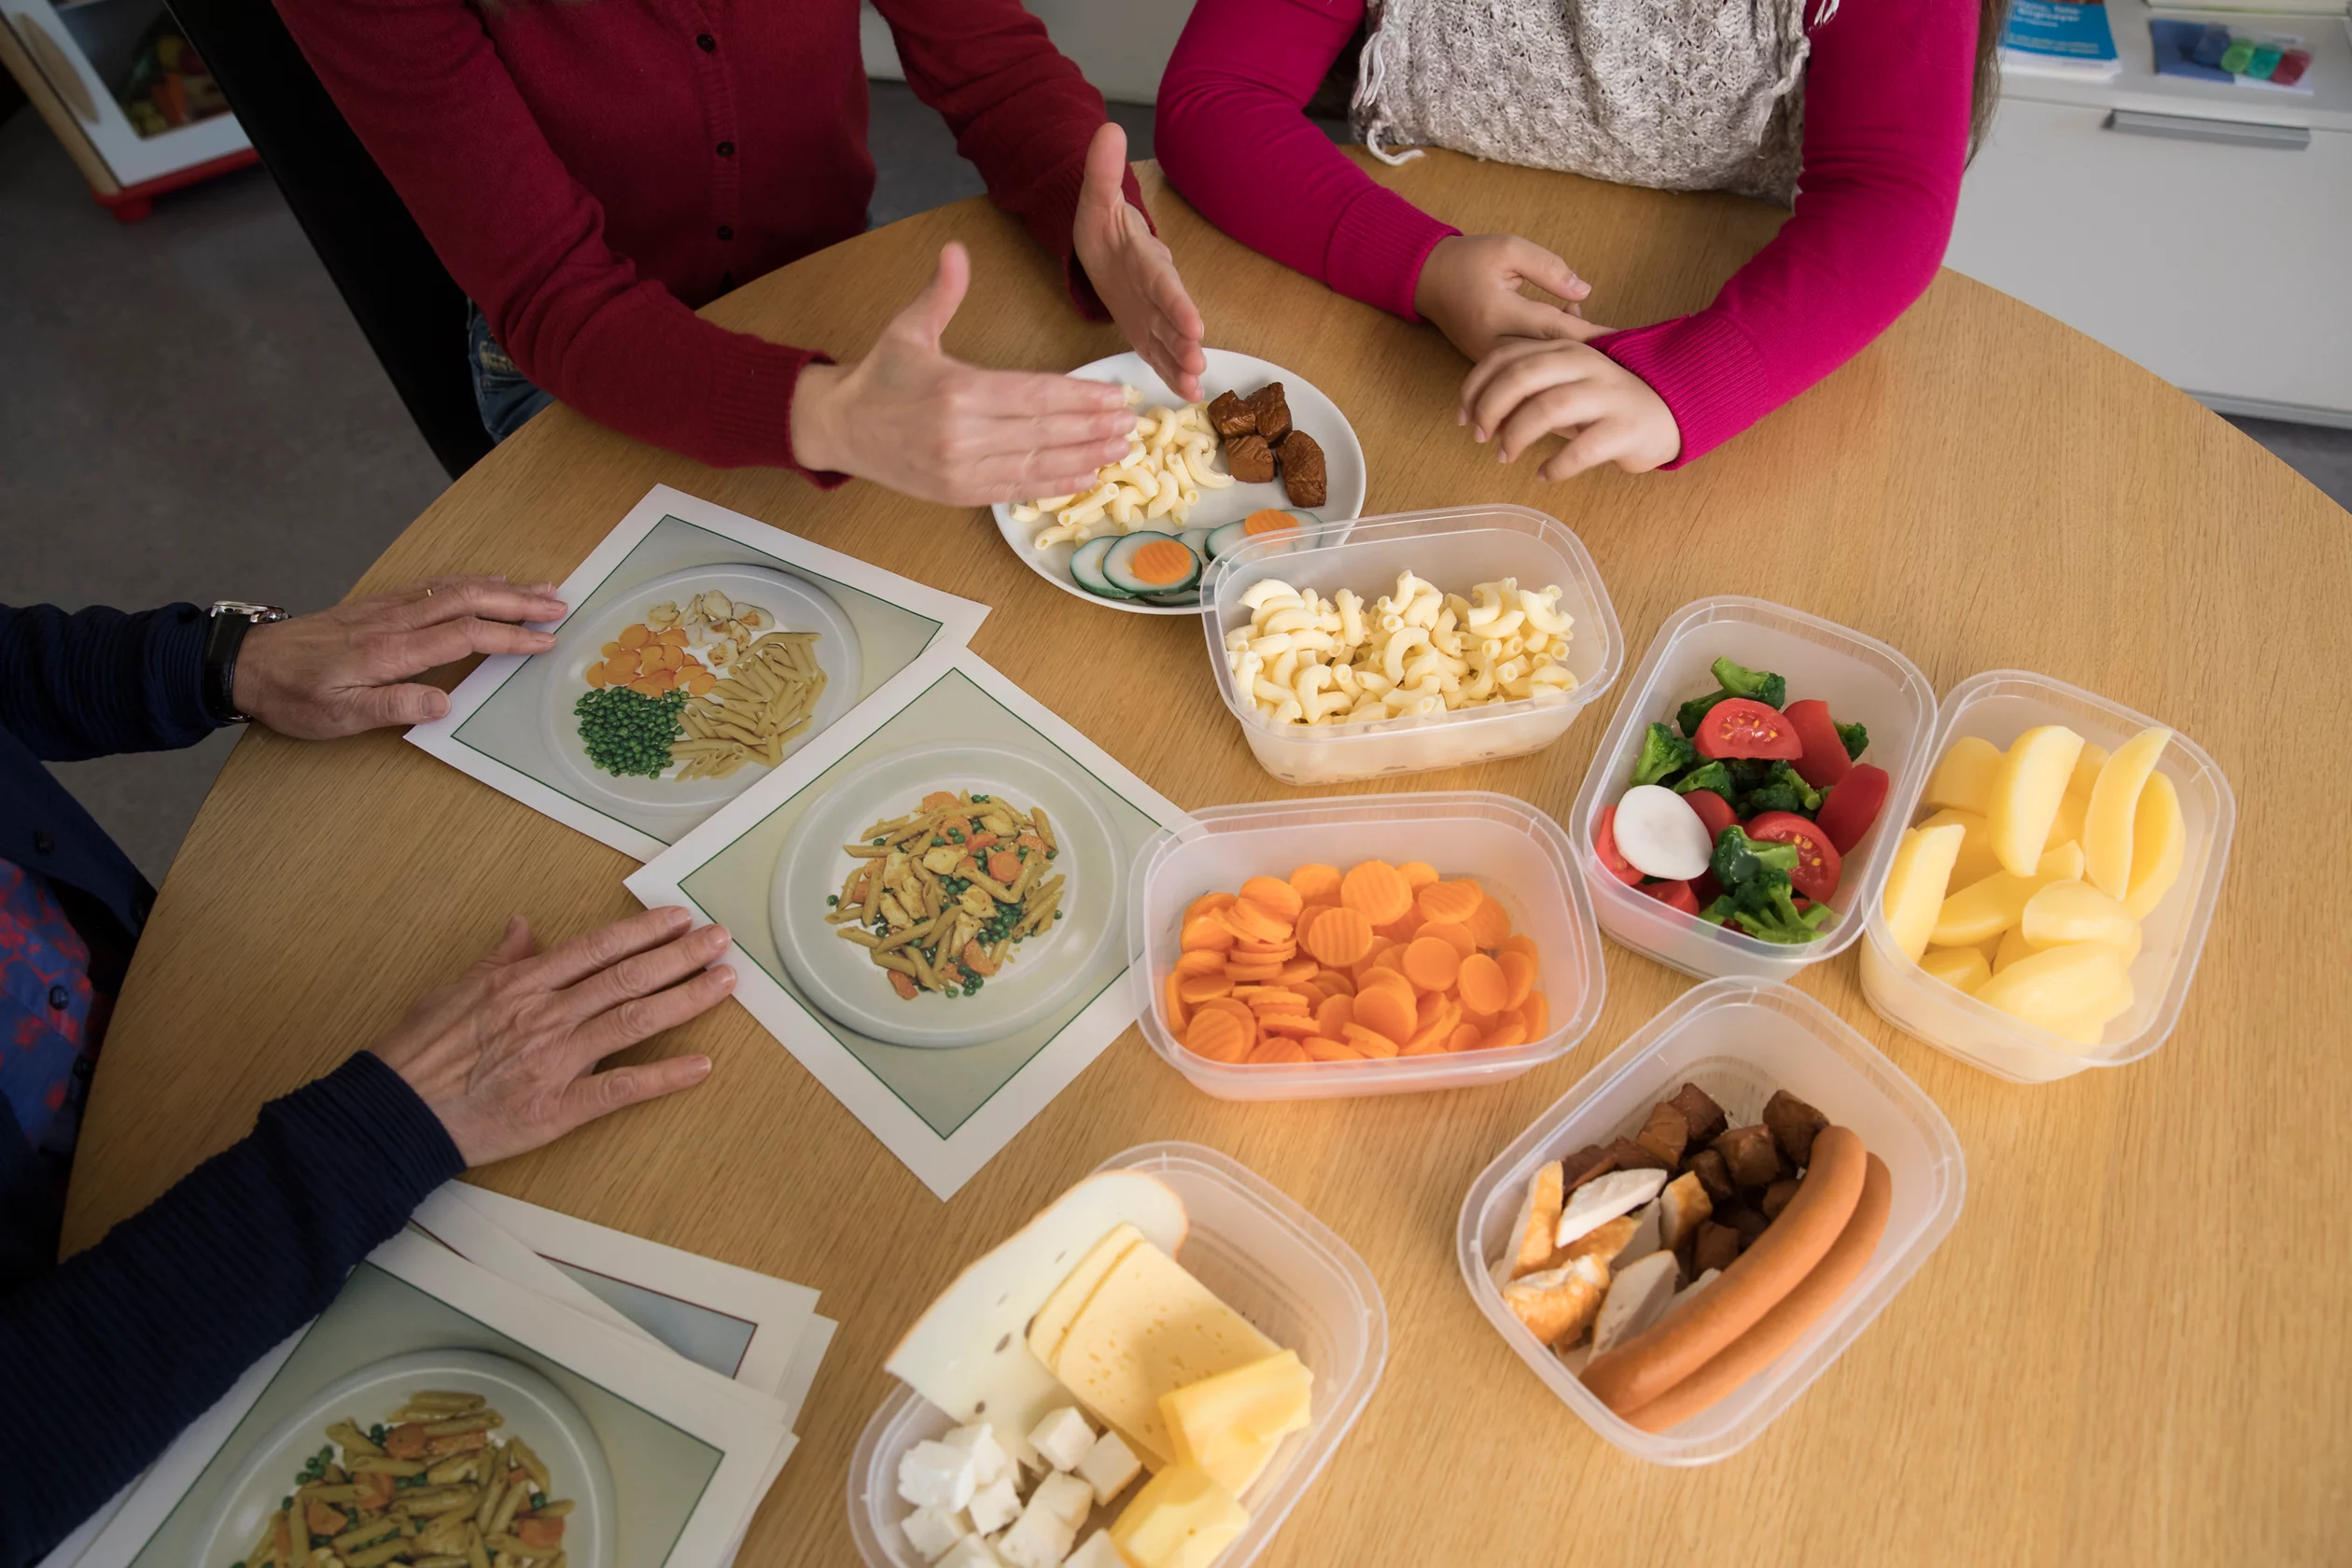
[[1519, 971], [1376, 890], [1323, 1050], [1342, 937], [1275, 896], [1418, 874], [1450, 900], [1217, 1037], [1316, 882], [1372, 1042], [1490, 924], [1483, 987], [1386, 1010], [1431, 963]]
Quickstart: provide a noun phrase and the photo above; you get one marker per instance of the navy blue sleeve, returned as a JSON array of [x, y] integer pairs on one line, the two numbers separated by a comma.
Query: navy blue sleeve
[[99, 681], [106, 1357]]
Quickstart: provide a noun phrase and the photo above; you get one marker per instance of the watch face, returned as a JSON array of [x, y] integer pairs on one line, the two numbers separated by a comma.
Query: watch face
[[250, 611]]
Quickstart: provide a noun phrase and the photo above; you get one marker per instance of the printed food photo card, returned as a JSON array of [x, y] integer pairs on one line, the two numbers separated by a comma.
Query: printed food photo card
[[928, 908], [437, 1410], [702, 650]]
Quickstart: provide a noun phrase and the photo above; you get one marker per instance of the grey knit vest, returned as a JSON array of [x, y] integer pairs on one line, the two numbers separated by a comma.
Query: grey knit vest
[[1673, 95]]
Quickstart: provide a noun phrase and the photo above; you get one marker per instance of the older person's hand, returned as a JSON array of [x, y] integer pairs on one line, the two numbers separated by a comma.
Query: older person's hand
[[354, 667], [506, 1057]]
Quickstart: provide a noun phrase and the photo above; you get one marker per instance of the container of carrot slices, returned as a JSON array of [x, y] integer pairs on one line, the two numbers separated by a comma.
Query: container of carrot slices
[[1370, 945]]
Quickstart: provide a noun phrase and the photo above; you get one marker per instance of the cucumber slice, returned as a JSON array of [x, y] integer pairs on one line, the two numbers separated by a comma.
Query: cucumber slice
[[1145, 562], [1197, 540], [1233, 535], [1189, 598], [1085, 566]]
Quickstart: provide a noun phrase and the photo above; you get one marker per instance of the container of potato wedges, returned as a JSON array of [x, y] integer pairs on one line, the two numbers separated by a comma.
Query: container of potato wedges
[[1692, 1234]]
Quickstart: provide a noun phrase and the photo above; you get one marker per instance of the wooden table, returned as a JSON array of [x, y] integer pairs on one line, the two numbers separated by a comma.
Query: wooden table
[[2130, 1350]]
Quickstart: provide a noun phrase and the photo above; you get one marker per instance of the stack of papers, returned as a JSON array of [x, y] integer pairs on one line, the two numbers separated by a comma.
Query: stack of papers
[[500, 1384]]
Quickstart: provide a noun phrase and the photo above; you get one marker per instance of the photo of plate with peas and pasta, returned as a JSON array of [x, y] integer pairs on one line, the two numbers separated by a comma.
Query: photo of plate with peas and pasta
[[1262, 454], [941, 898], [683, 690], [434, 1459]]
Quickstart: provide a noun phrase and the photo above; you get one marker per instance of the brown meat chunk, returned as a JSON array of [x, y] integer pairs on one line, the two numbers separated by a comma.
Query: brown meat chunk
[[1665, 1134], [1745, 1222], [1586, 1164], [1793, 1124], [1748, 1151], [1271, 409], [1303, 477], [1631, 1156], [1776, 1196], [1230, 416], [1250, 460], [1713, 1174], [1718, 1247], [1699, 1108]]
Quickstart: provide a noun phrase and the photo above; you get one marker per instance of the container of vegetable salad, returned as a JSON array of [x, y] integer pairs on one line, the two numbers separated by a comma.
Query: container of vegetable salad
[[1756, 771]]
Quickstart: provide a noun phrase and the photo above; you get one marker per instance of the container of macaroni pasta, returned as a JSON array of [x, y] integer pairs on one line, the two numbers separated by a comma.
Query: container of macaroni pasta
[[1412, 641]]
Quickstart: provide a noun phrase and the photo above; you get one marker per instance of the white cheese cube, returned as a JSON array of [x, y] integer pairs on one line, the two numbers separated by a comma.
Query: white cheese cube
[[1109, 1466], [937, 1476], [1063, 1438], [1070, 1498], [988, 1455], [971, 1552], [1096, 1551], [933, 1531], [1040, 1538], [995, 1505]]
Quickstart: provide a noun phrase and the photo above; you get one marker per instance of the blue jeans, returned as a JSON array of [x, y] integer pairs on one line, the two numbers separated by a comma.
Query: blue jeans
[[504, 396]]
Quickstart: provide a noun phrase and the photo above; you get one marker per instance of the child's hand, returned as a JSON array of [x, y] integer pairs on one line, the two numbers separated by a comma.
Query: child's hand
[[1469, 287], [1527, 389], [1132, 271]]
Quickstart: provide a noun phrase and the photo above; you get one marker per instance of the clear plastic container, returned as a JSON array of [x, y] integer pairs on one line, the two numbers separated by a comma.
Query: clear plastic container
[[1861, 679], [1999, 706], [1265, 1257], [1739, 1040], [1454, 548], [1512, 850]]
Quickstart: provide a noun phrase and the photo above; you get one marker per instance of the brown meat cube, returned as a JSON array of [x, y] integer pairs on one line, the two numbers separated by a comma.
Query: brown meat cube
[[1586, 1164], [1718, 1247], [1793, 1124], [1706, 1118], [1665, 1134], [1713, 1174], [1776, 1196], [1250, 460], [1631, 1156], [1230, 416], [1271, 411], [1748, 1151], [1745, 1222], [1303, 478]]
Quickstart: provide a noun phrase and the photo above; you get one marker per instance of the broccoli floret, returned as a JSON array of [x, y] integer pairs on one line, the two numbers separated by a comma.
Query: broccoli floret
[[1856, 739], [1769, 914], [1761, 685], [1694, 713], [1783, 789], [1711, 775], [1739, 860], [1663, 753]]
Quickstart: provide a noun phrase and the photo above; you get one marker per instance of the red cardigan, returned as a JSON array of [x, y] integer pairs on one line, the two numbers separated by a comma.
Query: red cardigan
[[1886, 135], [590, 171]]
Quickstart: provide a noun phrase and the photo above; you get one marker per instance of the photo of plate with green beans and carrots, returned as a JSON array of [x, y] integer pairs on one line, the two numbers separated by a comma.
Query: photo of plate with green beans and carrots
[[684, 691], [947, 897]]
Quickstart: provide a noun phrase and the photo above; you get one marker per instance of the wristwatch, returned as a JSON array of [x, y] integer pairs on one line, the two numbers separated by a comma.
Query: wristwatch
[[230, 620]]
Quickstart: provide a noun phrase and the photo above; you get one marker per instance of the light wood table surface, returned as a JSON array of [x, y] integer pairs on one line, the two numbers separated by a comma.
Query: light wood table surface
[[2132, 1348]]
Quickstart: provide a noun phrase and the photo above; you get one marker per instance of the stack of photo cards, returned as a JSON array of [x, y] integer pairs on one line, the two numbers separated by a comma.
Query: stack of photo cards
[[498, 1384], [929, 904], [700, 651]]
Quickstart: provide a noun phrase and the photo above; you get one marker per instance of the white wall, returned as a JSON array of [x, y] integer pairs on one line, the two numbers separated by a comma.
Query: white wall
[[1122, 45]]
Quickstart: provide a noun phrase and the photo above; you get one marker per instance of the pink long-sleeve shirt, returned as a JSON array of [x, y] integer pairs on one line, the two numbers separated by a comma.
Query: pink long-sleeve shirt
[[1887, 102]]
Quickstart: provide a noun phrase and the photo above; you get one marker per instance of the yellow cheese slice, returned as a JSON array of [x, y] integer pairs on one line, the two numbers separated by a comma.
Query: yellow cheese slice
[[1182, 1519], [1148, 1328], [1062, 1308]]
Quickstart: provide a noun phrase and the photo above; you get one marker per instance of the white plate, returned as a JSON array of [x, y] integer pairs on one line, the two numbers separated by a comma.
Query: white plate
[[1310, 412], [798, 606], [843, 982], [535, 1410]]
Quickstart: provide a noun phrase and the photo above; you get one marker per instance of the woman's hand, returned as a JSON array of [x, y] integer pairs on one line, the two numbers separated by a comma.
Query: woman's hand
[[354, 667], [1469, 287], [506, 1056], [909, 417], [1527, 389], [1132, 271]]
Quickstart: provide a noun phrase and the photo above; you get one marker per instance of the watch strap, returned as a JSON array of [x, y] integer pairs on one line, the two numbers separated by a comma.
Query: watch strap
[[231, 620]]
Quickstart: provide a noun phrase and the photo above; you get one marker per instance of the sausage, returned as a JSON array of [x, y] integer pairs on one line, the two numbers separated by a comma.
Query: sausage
[[1633, 1374], [1796, 1311]]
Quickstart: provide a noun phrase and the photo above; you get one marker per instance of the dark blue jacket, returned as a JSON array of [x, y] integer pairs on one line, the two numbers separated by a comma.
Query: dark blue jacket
[[104, 1359]]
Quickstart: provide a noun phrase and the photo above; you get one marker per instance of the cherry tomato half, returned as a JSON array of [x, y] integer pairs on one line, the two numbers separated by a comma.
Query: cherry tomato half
[[1824, 760], [1604, 845], [1846, 816], [1742, 727], [1673, 895], [1712, 809], [1818, 864]]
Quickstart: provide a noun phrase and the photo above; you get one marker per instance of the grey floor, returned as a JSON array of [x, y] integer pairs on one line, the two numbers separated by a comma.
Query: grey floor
[[187, 411]]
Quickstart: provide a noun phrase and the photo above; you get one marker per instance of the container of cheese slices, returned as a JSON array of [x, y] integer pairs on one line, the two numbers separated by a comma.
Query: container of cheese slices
[[1288, 1281]]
